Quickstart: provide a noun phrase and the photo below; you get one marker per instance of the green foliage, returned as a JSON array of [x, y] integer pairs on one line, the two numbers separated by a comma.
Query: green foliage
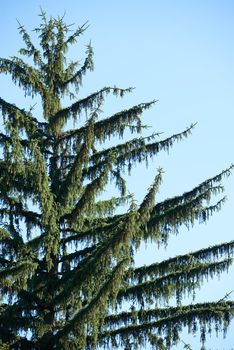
[[67, 258]]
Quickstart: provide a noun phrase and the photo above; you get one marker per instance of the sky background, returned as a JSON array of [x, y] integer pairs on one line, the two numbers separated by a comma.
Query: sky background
[[181, 53]]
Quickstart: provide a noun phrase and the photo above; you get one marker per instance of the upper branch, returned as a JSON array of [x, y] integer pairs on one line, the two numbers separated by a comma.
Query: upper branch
[[114, 125], [31, 50], [76, 78], [27, 77], [85, 104]]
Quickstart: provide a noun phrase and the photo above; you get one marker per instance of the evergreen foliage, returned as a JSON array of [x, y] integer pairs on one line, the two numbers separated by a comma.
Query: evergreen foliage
[[67, 257]]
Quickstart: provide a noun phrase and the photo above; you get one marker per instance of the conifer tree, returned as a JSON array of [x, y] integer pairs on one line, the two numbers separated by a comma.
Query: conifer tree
[[67, 273]]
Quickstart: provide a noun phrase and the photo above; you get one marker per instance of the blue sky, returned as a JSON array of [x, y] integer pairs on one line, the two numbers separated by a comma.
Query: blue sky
[[180, 52]]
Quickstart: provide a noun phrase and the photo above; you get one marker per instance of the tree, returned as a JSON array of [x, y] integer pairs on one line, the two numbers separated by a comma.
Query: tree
[[67, 257]]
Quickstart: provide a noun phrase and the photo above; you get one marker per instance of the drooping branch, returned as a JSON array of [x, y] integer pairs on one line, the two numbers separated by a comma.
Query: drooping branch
[[29, 216], [181, 261], [111, 126], [141, 316], [196, 191], [159, 226], [132, 152], [27, 77], [24, 119], [77, 256], [177, 284], [171, 325], [85, 104]]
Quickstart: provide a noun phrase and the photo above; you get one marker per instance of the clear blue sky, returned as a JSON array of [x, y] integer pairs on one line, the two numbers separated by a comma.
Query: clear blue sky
[[182, 53]]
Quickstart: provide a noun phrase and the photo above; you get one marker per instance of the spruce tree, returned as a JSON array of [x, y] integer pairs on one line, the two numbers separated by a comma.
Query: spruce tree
[[68, 279]]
